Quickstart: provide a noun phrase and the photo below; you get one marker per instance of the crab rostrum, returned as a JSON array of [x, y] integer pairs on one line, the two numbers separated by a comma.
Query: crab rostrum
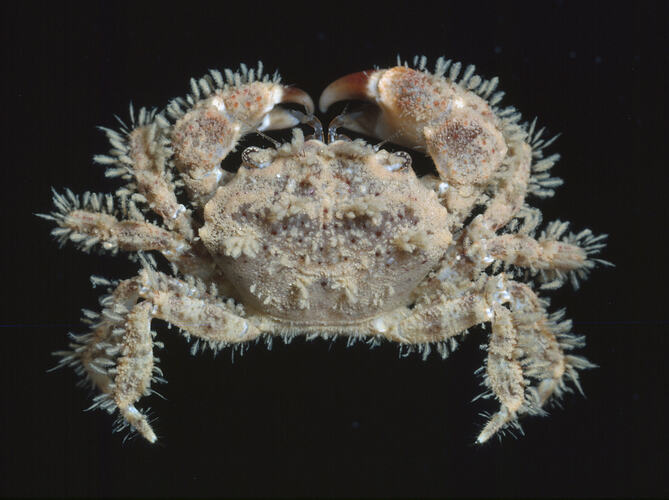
[[335, 237]]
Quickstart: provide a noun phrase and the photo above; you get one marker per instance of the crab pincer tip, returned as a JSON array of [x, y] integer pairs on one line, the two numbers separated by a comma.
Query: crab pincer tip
[[298, 96], [353, 86]]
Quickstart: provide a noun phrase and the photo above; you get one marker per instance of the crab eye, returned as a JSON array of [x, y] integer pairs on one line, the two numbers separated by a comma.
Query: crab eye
[[403, 163], [253, 157]]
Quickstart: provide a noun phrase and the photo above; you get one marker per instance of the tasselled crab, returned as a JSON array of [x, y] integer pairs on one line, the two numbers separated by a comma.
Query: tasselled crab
[[328, 236]]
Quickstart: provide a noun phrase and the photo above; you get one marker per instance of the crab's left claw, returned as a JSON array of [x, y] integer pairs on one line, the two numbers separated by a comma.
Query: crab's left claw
[[371, 118], [425, 111], [390, 113], [439, 115]]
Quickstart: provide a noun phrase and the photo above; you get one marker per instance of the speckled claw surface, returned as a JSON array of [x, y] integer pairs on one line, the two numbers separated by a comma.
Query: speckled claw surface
[[425, 111], [328, 236], [220, 116]]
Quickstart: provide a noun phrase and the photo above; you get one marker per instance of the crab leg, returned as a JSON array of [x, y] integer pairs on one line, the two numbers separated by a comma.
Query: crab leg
[[527, 344], [117, 355], [92, 222], [143, 153], [193, 309], [440, 321], [509, 197], [521, 250], [552, 254], [504, 373], [97, 227], [443, 317]]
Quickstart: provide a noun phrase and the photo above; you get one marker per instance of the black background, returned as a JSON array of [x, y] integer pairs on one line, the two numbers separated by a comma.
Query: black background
[[313, 418]]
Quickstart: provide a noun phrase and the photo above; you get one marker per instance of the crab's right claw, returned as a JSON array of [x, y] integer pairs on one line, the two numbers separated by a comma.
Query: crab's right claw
[[204, 135]]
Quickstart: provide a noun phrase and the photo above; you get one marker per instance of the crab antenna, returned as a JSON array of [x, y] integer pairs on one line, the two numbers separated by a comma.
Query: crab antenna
[[312, 121], [268, 138], [390, 138], [258, 130]]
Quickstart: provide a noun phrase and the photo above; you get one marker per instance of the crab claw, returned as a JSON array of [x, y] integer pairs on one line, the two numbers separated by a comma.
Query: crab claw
[[389, 114], [424, 111], [353, 86], [297, 96], [209, 131], [205, 135], [279, 118], [255, 105]]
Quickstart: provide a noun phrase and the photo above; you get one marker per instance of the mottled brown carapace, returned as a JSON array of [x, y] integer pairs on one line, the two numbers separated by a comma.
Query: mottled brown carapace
[[328, 237]]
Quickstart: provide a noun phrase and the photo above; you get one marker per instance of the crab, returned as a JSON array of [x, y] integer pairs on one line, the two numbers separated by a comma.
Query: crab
[[326, 236]]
